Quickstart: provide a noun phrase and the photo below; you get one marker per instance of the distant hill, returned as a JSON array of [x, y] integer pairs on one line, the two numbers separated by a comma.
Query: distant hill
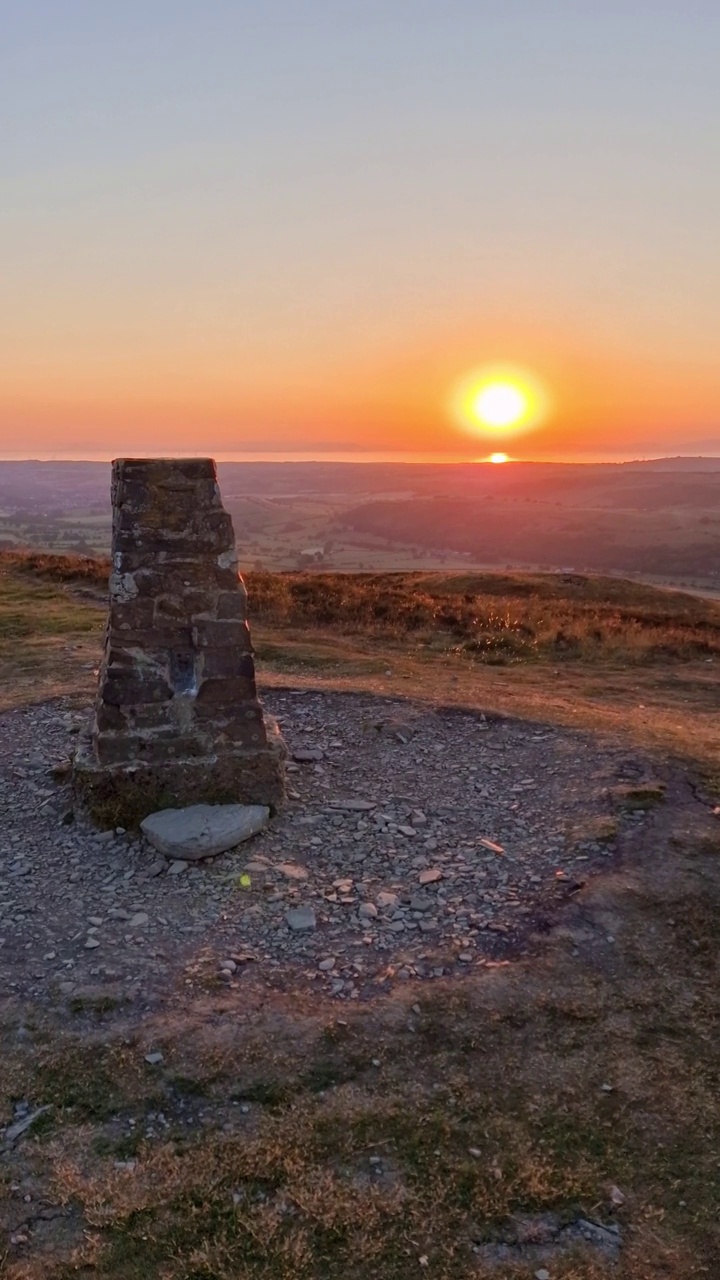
[[659, 517], [676, 464]]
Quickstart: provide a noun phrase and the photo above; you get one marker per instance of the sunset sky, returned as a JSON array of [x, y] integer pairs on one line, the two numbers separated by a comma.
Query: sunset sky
[[293, 227]]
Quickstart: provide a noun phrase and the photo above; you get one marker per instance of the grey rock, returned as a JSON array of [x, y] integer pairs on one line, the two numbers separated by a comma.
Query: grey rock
[[368, 911], [21, 1126], [299, 918], [203, 830]]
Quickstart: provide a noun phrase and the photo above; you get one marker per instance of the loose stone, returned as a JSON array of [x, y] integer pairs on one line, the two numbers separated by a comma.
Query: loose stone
[[431, 876], [300, 918], [368, 911]]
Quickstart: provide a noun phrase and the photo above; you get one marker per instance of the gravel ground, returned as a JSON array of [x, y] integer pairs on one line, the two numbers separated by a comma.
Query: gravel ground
[[415, 844]]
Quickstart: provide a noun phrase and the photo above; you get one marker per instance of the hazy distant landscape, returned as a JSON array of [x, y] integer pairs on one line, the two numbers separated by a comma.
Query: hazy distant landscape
[[658, 519]]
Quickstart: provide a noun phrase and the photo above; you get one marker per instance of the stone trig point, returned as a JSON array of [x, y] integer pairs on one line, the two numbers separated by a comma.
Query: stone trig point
[[177, 719]]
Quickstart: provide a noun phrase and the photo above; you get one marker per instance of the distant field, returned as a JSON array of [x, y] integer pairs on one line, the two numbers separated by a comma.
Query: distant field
[[654, 520]]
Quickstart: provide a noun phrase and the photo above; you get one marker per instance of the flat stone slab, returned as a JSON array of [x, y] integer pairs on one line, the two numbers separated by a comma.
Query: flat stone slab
[[203, 830]]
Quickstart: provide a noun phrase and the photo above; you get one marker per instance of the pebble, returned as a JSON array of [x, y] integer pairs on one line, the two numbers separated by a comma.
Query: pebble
[[299, 918], [293, 872], [368, 911], [431, 876]]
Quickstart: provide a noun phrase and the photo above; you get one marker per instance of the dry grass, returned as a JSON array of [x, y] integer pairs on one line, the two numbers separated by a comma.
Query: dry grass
[[498, 618], [488, 617], [49, 638]]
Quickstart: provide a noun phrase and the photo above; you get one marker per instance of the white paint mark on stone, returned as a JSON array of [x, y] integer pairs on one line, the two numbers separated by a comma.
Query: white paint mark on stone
[[123, 587], [228, 560]]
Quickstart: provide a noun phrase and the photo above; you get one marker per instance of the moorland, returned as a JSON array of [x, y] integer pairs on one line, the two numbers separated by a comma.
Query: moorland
[[449, 1128]]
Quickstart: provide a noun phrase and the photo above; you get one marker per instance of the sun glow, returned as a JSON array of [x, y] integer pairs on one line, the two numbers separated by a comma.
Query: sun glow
[[499, 401], [500, 404], [499, 458]]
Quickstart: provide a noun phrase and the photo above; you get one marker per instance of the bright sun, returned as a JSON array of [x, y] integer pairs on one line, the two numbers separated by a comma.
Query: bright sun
[[499, 458], [499, 401], [500, 404]]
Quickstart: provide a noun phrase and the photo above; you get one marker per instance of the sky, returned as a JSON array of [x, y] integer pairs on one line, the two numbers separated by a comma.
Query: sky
[[292, 228]]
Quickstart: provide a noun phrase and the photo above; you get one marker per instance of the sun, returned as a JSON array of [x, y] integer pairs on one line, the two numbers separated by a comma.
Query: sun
[[500, 404], [499, 401], [499, 458]]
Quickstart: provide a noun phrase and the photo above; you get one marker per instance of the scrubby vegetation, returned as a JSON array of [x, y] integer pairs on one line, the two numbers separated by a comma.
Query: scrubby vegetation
[[492, 617], [498, 616]]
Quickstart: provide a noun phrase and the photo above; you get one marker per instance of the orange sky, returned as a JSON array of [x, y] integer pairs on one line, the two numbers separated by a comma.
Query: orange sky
[[294, 232], [604, 402]]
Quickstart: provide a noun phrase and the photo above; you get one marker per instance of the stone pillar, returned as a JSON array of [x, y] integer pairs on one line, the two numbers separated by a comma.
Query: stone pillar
[[177, 718]]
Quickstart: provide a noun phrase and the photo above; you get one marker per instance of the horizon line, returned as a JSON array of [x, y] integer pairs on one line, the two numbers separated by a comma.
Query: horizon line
[[367, 458]]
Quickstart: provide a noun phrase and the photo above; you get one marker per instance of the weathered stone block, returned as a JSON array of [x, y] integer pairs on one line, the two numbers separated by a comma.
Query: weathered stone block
[[177, 718], [109, 717], [227, 663], [133, 615], [193, 604], [232, 604], [228, 634], [218, 694], [244, 733], [125, 687]]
